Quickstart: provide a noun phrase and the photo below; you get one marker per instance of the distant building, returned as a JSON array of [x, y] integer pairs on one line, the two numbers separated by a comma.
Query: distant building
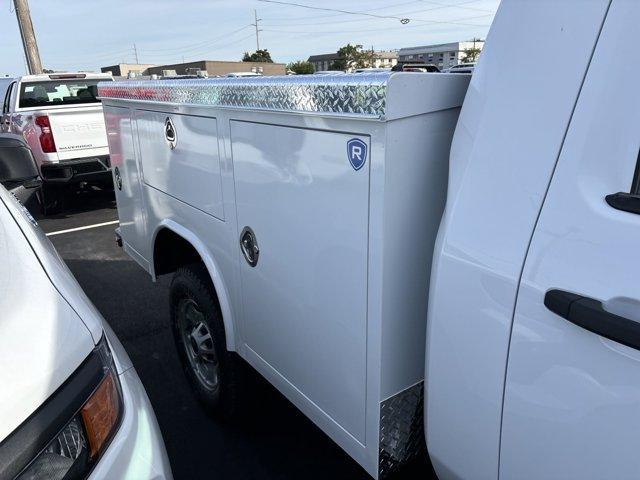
[[323, 62], [385, 59], [444, 55], [123, 69], [220, 68], [382, 59], [211, 67]]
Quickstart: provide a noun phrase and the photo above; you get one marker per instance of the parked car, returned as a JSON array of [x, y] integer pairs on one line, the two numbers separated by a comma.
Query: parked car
[[416, 67], [60, 117], [18, 170], [71, 404], [461, 68], [243, 74], [371, 70], [329, 72]]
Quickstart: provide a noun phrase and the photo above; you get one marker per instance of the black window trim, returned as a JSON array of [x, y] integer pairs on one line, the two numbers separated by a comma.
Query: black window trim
[[6, 106], [628, 202]]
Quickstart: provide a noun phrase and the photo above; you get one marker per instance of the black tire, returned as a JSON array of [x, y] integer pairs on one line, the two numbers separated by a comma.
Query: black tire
[[191, 288]]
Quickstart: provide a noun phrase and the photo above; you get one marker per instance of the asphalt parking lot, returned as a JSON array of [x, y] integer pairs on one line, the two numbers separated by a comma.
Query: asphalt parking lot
[[271, 440]]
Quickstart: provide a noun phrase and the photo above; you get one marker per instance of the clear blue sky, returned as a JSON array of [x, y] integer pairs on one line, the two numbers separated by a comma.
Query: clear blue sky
[[81, 34]]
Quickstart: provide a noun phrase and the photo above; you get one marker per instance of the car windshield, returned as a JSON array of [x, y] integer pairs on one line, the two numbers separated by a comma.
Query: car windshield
[[58, 92]]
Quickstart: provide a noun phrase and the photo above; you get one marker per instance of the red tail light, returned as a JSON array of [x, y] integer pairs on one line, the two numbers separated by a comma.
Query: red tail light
[[47, 142]]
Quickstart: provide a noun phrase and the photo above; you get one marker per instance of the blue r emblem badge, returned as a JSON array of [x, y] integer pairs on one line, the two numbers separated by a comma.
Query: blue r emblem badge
[[357, 153]]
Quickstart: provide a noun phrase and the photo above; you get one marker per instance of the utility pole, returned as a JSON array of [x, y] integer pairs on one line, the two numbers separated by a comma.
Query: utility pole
[[135, 51], [255, 24], [28, 36]]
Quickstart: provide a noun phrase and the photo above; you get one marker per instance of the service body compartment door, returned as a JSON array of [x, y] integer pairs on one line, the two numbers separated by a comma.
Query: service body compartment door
[[305, 300], [127, 180], [180, 157]]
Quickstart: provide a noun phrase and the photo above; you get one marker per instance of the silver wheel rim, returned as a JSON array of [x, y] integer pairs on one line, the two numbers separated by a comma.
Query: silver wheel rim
[[198, 344]]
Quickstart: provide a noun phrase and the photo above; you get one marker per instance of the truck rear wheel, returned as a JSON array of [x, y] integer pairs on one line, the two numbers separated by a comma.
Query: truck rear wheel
[[213, 371]]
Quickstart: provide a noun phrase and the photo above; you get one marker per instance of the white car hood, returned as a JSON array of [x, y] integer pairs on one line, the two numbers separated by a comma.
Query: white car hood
[[54, 266], [42, 338]]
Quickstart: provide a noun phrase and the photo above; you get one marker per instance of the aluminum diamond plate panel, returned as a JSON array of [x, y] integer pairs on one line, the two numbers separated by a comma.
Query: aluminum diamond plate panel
[[361, 94], [401, 430]]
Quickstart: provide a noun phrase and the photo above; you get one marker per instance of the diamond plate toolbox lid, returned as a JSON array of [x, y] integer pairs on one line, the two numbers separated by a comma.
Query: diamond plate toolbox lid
[[363, 94]]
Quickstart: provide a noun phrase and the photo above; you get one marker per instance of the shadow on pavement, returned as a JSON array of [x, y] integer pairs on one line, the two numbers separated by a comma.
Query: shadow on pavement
[[87, 200]]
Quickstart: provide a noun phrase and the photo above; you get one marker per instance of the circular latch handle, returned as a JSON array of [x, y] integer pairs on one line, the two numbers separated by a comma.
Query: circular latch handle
[[249, 246]]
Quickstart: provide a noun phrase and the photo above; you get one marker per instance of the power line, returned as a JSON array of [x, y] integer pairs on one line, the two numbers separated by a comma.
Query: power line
[[196, 45], [307, 17], [422, 23], [440, 6], [333, 22], [220, 46], [297, 24], [347, 12]]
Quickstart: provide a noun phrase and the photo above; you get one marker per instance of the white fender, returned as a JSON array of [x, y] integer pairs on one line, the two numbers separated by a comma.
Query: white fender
[[212, 268]]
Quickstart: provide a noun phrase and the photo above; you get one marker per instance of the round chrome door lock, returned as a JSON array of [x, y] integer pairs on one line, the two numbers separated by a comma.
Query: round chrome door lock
[[249, 246], [170, 133], [118, 178]]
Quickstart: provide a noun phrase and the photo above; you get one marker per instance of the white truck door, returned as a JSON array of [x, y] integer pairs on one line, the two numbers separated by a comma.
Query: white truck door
[[572, 395], [305, 299]]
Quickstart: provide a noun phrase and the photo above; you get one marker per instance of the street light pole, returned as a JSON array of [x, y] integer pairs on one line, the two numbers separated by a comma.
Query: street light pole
[[28, 36], [255, 16]]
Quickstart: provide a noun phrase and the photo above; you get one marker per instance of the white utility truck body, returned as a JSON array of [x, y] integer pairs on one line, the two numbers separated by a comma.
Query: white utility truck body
[[61, 119], [337, 184]]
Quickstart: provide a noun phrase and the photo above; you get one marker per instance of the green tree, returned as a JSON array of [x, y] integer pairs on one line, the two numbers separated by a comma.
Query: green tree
[[301, 67], [351, 56], [470, 55], [258, 56]]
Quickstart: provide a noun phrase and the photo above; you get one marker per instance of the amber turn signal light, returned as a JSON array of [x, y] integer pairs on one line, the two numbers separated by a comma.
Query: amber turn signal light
[[100, 414]]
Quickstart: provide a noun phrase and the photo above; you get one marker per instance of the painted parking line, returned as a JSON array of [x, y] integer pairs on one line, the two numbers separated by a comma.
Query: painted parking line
[[87, 227]]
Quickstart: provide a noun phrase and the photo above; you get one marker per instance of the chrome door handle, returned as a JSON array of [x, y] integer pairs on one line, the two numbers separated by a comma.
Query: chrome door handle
[[249, 246]]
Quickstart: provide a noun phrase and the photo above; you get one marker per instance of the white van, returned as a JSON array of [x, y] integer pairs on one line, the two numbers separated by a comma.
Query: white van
[[71, 403]]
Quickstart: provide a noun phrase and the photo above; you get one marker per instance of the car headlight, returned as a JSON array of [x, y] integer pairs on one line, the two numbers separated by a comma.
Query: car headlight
[[77, 446]]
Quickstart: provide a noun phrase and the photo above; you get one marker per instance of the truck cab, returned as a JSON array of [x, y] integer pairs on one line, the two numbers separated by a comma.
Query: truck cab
[[61, 119], [532, 356]]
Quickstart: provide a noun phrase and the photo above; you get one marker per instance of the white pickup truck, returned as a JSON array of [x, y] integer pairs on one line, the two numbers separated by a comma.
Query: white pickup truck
[[61, 119], [299, 218]]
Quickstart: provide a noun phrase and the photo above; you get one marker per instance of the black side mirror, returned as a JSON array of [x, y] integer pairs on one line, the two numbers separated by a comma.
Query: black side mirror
[[18, 170]]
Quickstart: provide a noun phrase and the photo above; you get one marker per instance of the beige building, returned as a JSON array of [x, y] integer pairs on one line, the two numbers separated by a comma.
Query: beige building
[[385, 59], [219, 68], [212, 67], [123, 69]]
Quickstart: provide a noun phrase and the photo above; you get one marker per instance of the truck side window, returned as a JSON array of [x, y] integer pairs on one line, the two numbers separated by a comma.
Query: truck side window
[[628, 202], [635, 185], [7, 98]]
